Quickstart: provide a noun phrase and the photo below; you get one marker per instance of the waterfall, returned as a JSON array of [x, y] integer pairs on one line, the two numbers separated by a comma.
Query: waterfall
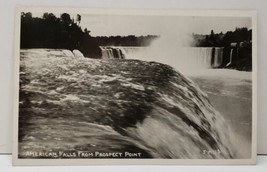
[[117, 106], [231, 58], [218, 57], [201, 57], [204, 57], [112, 53]]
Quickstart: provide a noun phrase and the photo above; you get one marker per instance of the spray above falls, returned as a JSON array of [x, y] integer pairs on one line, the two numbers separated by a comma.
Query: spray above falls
[[175, 49], [198, 57]]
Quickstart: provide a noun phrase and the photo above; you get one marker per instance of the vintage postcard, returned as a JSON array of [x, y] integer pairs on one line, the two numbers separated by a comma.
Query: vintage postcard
[[109, 86]]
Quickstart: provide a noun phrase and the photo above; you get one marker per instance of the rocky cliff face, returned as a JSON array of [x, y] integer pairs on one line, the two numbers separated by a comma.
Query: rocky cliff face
[[110, 106]]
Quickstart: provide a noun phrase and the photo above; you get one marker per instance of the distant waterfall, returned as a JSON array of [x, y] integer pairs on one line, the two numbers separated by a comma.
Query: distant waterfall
[[231, 58], [201, 57], [218, 57], [112, 52], [205, 57]]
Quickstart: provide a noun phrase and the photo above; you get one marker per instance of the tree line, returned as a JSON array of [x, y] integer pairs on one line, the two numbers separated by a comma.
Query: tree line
[[130, 40], [64, 32], [223, 39], [59, 33]]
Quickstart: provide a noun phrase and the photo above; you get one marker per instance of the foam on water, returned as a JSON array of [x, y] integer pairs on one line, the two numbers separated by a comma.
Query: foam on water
[[116, 105]]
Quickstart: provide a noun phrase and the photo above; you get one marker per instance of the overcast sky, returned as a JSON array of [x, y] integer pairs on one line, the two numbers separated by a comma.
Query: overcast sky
[[107, 25], [160, 25]]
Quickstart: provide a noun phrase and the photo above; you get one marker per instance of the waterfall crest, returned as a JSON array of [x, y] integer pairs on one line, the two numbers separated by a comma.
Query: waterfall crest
[[112, 53], [202, 57], [116, 106]]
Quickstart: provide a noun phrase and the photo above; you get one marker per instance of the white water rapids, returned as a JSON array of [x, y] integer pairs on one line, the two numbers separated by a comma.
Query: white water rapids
[[70, 103]]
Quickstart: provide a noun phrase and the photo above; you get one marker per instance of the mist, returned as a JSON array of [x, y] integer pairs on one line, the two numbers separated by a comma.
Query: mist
[[173, 47]]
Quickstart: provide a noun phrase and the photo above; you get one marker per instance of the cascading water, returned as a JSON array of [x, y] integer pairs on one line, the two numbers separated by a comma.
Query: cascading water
[[218, 57], [201, 57], [57, 53], [112, 53], [116, 106], [231, 58]]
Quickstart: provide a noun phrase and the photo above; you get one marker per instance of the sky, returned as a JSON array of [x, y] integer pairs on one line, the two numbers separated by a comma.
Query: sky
[[160, 25], [113, 25]]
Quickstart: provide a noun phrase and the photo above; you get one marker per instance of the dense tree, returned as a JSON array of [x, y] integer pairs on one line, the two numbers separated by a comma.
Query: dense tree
[[78, 18], [130, 40], [65, 18], [223, 40], [52, 32], [49, 17]]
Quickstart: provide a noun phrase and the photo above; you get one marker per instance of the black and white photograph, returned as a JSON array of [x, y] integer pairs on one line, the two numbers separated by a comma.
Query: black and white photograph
[[106, 86]]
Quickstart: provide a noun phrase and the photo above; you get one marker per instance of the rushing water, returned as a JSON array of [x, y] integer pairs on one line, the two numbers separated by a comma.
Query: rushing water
[[230, 92], [180, 58], [115, 105]]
